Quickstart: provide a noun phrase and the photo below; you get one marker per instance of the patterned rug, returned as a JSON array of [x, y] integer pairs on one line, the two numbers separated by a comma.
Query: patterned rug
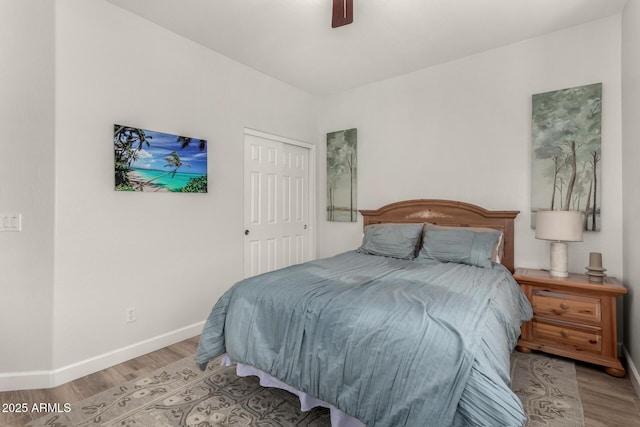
[[548, 389], [181, 395]]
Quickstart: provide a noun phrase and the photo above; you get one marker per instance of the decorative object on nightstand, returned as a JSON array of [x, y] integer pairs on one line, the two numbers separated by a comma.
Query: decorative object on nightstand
[[595, 270], [572, 317], [559, 227]]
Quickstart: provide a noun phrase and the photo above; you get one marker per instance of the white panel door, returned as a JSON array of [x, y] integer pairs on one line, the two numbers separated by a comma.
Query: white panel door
[[276, 205]]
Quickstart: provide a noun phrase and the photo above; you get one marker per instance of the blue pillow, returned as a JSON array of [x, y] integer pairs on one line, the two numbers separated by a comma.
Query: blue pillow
[[459, 245], [391, 240]]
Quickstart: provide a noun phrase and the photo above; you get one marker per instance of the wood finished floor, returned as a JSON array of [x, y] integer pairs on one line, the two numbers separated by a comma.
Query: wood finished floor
[[607, 401]]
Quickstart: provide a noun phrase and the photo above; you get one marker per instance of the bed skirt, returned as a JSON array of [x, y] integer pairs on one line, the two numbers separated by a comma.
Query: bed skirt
[[307, 402]]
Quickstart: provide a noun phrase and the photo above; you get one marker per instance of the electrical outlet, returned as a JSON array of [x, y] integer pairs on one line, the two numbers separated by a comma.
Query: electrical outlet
[[131, 314]]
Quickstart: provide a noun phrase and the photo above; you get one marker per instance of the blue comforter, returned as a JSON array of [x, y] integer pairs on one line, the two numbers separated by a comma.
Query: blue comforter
[[390, 342]]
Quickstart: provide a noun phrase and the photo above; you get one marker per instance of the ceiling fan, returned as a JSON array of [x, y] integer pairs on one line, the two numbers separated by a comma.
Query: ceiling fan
[[342, 13]]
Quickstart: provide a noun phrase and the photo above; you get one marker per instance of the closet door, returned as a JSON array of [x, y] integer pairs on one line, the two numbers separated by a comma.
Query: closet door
[[276, 204]]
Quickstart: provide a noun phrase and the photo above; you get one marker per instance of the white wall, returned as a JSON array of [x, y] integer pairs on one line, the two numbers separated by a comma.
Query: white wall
[[169, 255], [26, 183], [631, 178], [462, 131]]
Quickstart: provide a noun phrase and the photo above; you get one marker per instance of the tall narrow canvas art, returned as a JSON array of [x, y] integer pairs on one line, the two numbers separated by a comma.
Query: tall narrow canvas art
[[566, 143], [342, 175], [151, 161]]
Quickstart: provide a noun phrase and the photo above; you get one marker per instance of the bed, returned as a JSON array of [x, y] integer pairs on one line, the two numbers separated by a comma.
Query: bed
[[414, 327]]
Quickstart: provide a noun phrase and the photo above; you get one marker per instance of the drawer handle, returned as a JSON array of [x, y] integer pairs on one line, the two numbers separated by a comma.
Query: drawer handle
[[564, 333], [564, 306]]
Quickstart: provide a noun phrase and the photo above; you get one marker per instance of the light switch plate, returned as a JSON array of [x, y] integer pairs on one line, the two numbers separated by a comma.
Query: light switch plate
[[10, 222]]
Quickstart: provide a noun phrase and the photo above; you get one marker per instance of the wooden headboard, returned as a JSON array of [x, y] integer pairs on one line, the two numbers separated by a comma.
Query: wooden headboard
[[448, 212]]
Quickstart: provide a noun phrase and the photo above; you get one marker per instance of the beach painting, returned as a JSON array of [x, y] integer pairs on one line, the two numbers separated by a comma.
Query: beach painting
[[342, 175], [151, 161], [566, 145]]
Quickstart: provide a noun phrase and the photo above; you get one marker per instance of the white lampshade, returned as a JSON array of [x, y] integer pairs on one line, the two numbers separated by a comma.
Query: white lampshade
[[560, 226]]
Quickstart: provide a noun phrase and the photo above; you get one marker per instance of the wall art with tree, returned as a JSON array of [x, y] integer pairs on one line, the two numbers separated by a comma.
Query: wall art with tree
[[342, 175], [566, 146], [147, 160]]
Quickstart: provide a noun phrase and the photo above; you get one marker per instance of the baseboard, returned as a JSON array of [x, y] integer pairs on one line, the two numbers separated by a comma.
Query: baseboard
[[633, 371], [47, 379], [10, 381]]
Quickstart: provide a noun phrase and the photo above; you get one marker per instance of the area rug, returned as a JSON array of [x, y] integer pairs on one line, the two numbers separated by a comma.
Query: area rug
[[181, 395], [548, 389]]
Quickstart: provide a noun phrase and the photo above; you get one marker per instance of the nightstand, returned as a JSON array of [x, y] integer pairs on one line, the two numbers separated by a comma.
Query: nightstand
[[572, 317]]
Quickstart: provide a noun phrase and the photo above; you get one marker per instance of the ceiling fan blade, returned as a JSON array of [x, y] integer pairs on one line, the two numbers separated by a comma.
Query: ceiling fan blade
[[342, 13]]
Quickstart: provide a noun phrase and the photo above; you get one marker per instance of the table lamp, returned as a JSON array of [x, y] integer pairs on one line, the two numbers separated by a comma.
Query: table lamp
[[559, 227]]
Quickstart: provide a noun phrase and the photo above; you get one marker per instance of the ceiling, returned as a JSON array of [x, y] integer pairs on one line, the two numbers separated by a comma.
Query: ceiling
[[292, 40]]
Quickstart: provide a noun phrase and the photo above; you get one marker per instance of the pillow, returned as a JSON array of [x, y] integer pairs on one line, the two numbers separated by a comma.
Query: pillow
[[463, 245], [392, 240], [498, 250]]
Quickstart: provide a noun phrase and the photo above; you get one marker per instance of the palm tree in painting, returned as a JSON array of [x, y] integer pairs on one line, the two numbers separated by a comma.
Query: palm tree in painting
[[128, 142], [174, 162], [125, 139], [186, 141]]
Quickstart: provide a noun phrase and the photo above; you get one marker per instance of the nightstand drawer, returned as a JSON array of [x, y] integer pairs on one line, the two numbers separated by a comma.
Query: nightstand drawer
[[567, 307], [578, 338]]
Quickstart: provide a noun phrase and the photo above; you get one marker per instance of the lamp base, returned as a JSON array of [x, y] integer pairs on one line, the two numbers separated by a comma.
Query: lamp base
[[559, 260]]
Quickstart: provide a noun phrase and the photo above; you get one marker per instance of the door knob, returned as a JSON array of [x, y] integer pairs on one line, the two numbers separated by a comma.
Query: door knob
[[246, 232]]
